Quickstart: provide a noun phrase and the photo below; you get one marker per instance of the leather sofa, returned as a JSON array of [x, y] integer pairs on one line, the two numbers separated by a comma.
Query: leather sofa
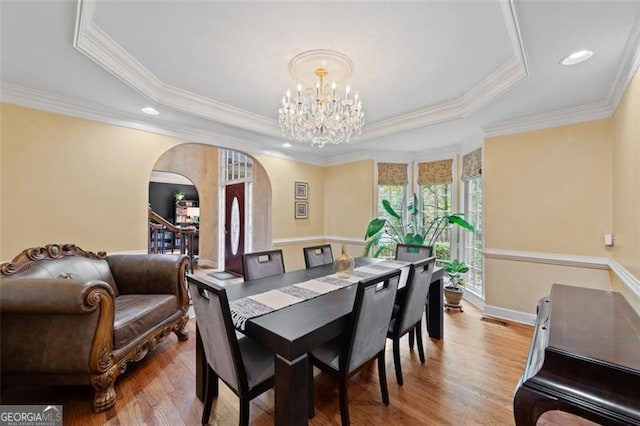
[[72, 317]]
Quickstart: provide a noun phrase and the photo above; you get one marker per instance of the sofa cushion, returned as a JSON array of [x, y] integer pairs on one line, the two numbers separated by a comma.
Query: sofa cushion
[[135, 314], [72, 267]]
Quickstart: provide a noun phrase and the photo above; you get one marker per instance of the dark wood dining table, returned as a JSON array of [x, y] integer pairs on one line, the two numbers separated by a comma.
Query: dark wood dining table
[[293, 331]]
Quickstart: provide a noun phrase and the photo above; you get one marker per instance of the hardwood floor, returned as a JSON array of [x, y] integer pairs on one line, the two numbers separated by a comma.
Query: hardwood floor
[[469, 378]]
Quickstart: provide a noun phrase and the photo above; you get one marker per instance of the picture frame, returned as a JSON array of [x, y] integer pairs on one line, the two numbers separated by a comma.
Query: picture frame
[[301, 190], [301, 210]]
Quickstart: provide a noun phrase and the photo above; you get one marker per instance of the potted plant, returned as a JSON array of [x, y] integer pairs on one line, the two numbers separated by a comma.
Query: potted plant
[[455, 270], [416, 229]]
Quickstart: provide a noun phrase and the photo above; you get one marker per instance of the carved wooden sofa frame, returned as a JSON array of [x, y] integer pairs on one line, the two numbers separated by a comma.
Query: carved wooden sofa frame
[[81, 310]]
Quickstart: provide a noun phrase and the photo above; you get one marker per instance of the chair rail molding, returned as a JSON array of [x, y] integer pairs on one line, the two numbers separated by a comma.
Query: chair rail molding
[[632, 282], [277, 242], [548, 258], [625, 276]]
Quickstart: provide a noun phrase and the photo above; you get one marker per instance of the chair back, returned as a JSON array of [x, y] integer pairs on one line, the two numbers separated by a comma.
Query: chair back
[[317, 256], [417, 289], [262, 264], [370, 319], [213, 317], [412, 252]]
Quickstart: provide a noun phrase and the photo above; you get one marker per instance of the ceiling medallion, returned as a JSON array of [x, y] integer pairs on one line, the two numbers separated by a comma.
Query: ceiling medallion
[[317, 114]]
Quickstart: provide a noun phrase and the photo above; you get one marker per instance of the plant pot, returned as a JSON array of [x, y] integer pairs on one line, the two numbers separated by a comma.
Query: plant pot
[[453, 297]]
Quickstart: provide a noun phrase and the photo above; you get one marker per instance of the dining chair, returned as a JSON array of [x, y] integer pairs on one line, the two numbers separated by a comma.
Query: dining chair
[[413, 252], [245, 366], [407, 317], [365, 339], [317, 256], [262, 264]]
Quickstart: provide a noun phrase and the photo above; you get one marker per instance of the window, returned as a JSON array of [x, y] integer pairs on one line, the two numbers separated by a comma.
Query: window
[[436, 202], [395, 194], [472, 252], [435, 180], [236, 166], [392, 186]]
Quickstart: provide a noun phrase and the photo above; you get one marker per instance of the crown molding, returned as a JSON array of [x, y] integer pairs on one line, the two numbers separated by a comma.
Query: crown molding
[[90, 40], [562, 117], [628, 66], [45, 101], [494, 85], [98, 46]]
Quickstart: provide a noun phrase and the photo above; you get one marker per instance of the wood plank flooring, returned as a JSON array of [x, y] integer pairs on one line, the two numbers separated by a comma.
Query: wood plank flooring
[[468, 379]]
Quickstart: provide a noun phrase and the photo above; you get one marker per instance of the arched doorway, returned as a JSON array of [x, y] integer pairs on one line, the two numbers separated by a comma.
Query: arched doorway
[[175, 199], [201, 164]]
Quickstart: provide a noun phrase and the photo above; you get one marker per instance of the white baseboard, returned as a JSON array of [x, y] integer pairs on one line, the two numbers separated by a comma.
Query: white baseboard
[[474, 299], [508, 314]]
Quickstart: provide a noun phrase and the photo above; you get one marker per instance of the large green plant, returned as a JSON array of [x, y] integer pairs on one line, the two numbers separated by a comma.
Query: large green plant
[[413, 228]]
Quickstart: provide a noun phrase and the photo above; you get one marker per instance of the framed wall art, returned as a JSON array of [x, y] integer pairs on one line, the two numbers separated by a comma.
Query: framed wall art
[[301, 190], [301, 210]]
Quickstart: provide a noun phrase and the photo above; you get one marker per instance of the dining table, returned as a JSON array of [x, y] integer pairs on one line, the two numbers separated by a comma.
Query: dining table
[[292, 332]]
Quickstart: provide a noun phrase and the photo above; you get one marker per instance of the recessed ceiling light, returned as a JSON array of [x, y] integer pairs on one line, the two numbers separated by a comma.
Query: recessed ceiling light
[[150, 111], [287, 145], [577, 57]]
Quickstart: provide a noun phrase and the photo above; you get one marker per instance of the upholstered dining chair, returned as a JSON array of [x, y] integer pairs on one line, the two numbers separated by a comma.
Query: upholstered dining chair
[[407, 317], [317, 256], [365, 339], [245, 366], [262, 264], [412, 252]]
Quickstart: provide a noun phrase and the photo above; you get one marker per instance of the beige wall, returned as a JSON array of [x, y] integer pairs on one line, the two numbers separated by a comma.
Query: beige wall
[[519, 286], [546, 191], [71, 180], [199, 163], [626, 181], [349, 195], [283, 174], [550, 190]]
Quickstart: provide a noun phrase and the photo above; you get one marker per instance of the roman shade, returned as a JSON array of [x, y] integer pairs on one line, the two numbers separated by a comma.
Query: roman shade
[[472, 164], [392, 174], [435, 172]]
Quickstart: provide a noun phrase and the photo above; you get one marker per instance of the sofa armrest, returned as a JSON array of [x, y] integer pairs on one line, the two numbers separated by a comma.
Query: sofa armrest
[[51, 295], [151, 274], [56, 326]]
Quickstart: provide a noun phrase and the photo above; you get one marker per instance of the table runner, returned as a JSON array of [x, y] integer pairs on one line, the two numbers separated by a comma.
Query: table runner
[[260, 304]]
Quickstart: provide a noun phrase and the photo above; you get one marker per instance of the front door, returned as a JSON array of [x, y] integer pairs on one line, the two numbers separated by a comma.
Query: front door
[[234, 228]]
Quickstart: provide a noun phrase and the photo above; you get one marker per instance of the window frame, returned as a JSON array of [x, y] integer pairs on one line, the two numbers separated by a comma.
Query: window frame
[[469, 238]]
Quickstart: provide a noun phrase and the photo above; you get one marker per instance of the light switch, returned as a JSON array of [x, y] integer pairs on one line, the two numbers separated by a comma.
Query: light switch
[[608, 239]]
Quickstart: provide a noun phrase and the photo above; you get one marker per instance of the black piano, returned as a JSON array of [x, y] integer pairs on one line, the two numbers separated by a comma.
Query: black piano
[[584, 359]]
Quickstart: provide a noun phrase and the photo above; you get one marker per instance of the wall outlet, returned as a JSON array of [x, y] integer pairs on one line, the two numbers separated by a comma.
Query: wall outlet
[[608, 239]]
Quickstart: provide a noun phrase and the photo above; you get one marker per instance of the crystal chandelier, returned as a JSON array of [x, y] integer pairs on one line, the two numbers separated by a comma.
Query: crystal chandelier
[[320, 115]]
